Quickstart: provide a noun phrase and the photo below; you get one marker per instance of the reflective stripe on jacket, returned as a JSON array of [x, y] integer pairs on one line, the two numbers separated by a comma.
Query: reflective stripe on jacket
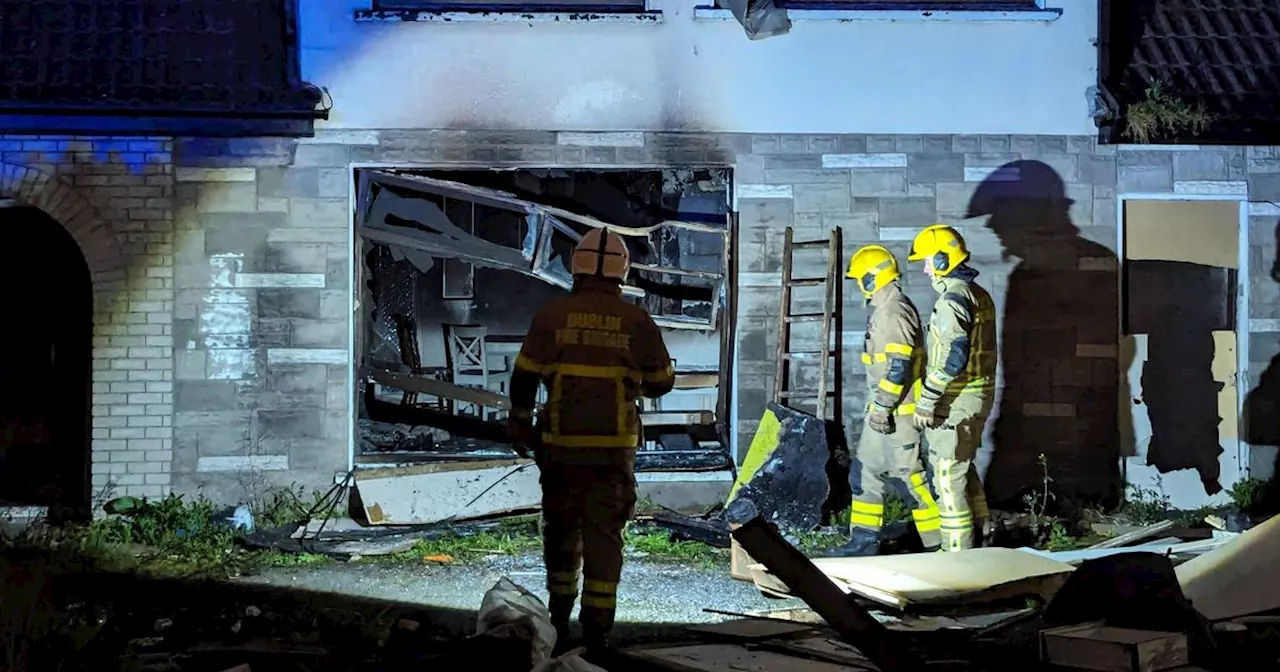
[[596, 353], [893, 333], [961, 339]]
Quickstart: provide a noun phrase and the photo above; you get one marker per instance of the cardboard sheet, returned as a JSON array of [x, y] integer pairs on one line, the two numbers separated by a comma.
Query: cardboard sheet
[[1197, 232], [1236, 578], [935, 577], [751, 628], [437, 492], [978, 574], [732, 658]]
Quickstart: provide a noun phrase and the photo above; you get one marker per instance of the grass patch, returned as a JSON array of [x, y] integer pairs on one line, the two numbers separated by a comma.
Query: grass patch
[[660, 546]]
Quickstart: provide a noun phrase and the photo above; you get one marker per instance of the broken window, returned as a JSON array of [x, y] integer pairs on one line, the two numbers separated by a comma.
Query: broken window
[[678, 268], [484, 250]]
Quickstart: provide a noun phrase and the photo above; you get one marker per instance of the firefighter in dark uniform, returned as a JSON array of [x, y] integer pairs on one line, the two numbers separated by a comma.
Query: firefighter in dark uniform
[[596, 353]]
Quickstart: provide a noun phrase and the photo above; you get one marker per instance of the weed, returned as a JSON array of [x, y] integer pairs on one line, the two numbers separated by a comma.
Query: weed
[[281, 559], [1160, 115], [895, 511], [1195, 517], [815, 543], [1059, 538], [1039, 503], [1249, 495], [276, 507], [1145, 506], [660, 546]]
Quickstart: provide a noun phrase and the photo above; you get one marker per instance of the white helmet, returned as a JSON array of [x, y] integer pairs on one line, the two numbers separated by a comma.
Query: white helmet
[[602, 253]]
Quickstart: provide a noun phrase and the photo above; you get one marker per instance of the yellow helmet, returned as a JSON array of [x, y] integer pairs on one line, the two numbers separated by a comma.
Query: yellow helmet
[[941, 243], [873, 267]]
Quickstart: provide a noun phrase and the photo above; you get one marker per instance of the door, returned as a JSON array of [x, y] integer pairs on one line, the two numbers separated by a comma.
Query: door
[[1180, 291]]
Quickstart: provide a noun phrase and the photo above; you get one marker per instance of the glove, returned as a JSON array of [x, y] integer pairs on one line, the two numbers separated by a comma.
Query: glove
[[880, 419], [925, 416], [520, 433]]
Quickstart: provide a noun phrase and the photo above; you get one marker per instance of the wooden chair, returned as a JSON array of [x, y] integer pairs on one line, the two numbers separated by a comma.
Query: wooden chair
[[469, 363]]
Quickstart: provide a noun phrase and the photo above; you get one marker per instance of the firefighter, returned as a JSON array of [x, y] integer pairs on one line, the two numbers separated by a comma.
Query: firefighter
[[954, 397], [888, 449], [596, 353]]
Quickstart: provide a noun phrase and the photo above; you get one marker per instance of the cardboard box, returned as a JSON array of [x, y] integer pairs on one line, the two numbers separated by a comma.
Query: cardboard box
[[739, 561], [1093, 646]]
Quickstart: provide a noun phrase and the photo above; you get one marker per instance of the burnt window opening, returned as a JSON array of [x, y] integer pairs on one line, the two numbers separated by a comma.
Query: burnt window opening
[[445, 250]]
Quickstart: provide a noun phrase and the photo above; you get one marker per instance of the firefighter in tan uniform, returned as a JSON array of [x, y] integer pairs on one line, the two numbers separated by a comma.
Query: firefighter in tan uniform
[[955, 396], [596, 354], [888, 449]]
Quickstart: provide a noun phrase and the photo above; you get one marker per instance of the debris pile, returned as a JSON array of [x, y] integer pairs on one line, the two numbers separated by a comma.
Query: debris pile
[[1146, 606]]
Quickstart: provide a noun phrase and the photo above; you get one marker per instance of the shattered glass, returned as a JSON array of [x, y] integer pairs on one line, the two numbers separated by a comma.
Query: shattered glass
[[392, 284]]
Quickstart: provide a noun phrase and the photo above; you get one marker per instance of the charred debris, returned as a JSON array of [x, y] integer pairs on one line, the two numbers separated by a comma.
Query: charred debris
[[456, 262]]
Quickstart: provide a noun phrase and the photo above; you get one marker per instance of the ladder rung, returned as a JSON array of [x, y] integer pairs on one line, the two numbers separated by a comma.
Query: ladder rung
[[807, 355], [807, 282], [810, 243], [805, 317], [803, 393]]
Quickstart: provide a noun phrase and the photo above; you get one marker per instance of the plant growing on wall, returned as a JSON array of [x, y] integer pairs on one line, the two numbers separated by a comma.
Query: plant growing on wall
[[1161, 115]]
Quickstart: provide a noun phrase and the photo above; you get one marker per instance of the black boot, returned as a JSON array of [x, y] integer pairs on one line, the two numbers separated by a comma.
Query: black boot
[[862, 543], [561, 607], [596, 625]]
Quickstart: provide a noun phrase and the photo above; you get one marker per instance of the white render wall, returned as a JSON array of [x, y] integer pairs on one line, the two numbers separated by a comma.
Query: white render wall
[[883, 77]]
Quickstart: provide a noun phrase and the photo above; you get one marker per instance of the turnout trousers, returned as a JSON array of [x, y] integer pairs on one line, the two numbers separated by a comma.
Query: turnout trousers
[[951, 448], [585, 508], [892, 459]]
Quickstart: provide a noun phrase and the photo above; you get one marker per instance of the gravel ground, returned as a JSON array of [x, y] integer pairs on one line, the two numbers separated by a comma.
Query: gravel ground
[[651, 592]]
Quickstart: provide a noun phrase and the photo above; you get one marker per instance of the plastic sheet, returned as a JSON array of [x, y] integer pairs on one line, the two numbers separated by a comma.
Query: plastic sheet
[[508, 611]]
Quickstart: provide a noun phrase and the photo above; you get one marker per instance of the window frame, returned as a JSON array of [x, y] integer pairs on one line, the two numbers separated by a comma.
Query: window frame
[[421, 10], [917, 5], [1042, 11]]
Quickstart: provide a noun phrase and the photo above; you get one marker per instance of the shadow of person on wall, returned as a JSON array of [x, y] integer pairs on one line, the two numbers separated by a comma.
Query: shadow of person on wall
[[1059, 354], [1261, 417], [1178, 306]]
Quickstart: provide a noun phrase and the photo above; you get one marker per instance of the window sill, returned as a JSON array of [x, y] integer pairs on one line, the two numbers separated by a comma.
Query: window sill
[[709, 13], [505, 16]]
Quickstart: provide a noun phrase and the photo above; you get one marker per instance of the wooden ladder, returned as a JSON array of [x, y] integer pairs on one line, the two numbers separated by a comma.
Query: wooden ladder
[[830, 392]]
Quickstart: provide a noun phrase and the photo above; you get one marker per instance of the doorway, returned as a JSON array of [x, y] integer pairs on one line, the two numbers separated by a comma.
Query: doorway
[[45, 365], [1181, 345]]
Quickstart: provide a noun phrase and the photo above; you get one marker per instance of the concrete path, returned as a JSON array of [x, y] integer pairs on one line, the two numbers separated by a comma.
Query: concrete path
[[651, 592]]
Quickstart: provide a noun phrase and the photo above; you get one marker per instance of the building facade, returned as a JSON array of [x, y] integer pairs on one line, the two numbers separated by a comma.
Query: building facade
[[223, 269]]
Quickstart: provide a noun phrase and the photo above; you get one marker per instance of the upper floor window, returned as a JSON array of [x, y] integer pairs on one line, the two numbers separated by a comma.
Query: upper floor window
[[508, 5], [918, 5], [915, 5]]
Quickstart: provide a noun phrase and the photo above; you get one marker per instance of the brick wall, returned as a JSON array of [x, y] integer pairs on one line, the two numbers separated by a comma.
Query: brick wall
[[222, 291], [114, 196]]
